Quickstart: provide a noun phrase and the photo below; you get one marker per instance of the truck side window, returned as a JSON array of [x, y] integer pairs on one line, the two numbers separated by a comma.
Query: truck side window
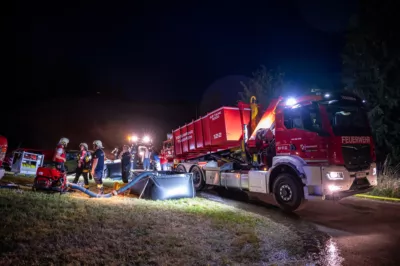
[[287, 119], [305, 117], [292, 119], [311, 118]]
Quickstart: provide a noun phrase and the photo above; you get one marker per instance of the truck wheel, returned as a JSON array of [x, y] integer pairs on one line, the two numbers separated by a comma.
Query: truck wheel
[[288, 192], [180, 168], [198, 178]]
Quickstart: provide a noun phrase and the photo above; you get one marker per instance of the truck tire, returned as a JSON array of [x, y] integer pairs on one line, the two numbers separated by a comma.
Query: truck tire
[[198, 178], [288, 192], [180, 168]]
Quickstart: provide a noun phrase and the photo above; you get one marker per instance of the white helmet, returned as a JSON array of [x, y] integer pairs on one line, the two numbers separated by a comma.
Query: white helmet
[[84, 145], [98, 143], [64, 141]]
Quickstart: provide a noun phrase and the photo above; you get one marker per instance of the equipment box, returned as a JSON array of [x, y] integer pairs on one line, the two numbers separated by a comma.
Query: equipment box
[[26, 163]]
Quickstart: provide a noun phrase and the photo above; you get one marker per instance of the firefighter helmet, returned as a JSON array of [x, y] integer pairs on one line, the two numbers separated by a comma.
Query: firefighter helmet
[[84, 145], [98, 143], [64, 141]]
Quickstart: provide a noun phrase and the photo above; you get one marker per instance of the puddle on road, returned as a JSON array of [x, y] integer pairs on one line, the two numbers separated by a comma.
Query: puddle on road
[[319, 247]]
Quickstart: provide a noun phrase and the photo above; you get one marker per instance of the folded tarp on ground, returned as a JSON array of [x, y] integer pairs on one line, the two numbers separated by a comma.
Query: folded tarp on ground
[[165, 185]]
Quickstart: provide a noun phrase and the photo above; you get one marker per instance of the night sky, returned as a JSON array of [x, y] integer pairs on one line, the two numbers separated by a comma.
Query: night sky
[[104, 69]]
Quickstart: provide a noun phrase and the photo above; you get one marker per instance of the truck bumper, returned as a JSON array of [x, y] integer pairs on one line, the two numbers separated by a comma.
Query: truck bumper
[[343, 194], [349, 185]]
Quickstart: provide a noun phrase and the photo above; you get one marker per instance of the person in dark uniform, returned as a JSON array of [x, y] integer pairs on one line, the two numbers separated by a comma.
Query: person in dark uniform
[[125, 157], [84, 160], [98, 165], [134, 153]]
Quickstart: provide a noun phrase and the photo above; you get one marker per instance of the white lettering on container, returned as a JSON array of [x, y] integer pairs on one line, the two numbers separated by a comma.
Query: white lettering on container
[[215, 116], [218, 135], [184, 137]]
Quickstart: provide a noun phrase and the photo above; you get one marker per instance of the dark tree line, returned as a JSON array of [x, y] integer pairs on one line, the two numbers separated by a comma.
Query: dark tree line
[[371, 69]]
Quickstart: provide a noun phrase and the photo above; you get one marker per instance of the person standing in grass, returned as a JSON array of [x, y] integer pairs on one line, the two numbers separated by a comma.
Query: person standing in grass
[[84, 158], [60, 155], [125, 157], [146, 157], [98, 165]]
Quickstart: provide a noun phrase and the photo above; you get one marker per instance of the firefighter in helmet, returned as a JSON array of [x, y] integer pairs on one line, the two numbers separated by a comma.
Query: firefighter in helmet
[[97, 168], [59, 156], [84, 159]]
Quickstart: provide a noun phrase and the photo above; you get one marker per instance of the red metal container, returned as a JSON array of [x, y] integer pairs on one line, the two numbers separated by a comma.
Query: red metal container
[[198, 134], [218, 130]]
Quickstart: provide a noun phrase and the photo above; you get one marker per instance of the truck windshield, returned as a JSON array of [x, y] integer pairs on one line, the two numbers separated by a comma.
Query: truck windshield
[[348, 120]]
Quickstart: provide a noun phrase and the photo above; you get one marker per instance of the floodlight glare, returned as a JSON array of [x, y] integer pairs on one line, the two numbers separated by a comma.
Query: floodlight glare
[[291, 101]]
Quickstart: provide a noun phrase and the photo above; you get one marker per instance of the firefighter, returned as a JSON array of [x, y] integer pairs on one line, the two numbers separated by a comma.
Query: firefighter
[[84, 160], [115, 153], [97, 170], [146, 157], [163, 162], [155, 158], [125, 157], [59, 157], [134, 153]]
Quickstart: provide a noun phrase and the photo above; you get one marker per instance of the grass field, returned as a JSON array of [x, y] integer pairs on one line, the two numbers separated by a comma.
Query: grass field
[[388, 183], [42, 229]]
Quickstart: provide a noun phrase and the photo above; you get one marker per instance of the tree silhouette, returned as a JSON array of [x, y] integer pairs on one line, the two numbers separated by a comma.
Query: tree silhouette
[[370, 69], [264, 85]]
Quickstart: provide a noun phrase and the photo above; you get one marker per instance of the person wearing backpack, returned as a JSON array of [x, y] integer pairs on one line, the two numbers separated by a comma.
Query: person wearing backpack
[[84, 161]]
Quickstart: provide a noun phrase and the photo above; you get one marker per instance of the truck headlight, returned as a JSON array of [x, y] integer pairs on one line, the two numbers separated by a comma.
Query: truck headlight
[[374, 171], [335, 175]]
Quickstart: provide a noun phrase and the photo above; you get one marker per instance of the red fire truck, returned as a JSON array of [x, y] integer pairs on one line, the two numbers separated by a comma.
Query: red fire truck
[[3, 151], [312, 147]]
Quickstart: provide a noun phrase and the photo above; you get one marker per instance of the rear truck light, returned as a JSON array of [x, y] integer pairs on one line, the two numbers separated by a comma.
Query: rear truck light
[[335, 175]]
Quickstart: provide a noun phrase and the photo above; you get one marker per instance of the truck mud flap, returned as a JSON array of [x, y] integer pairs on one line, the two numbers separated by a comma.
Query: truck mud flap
[[164, 186]]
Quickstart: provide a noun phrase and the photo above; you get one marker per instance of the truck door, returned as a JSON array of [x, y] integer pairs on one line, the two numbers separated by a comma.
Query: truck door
[[303, 134]]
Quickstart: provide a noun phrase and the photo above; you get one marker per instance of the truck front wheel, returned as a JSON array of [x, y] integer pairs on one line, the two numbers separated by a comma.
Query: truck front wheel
[[288, 192], [198, 178], [180, 168]]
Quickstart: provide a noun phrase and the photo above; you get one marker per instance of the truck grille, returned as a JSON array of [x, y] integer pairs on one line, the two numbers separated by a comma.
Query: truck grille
[[356, 157], [360, 183]]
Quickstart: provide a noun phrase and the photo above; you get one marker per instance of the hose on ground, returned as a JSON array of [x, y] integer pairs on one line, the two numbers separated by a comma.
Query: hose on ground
[[113, 193]]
